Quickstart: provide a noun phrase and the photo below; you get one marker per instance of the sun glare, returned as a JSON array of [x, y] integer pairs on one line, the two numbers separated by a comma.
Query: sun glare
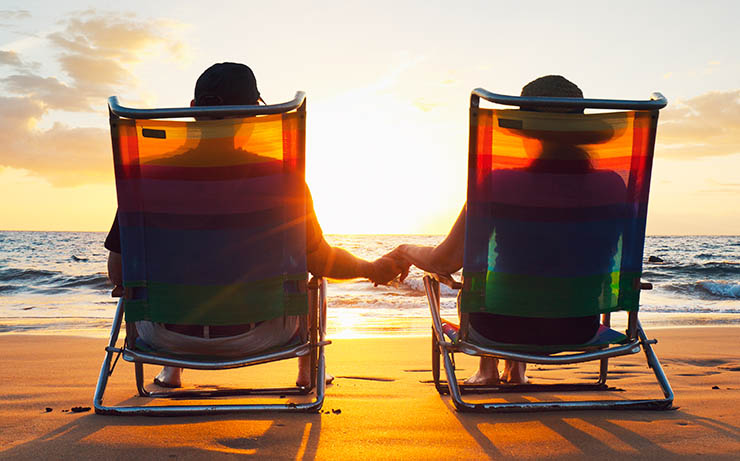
[[377, 169]]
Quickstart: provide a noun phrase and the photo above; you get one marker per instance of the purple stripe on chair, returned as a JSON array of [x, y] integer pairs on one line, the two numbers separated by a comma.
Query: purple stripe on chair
[[546, 190], [256, 219], [611, 213], [206, 197], [199, 173]]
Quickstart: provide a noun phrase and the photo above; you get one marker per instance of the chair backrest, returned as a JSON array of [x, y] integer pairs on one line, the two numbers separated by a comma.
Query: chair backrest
[[212, 212], [556, 207]]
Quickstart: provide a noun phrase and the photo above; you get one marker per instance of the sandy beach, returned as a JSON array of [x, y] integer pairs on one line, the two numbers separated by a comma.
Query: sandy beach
[[381, 406]]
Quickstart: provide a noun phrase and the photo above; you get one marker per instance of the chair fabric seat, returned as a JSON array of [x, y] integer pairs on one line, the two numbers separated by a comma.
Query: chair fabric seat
[[604, 337], [143, 347]]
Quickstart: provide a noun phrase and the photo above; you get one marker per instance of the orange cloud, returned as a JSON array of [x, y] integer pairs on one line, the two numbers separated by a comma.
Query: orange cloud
[[703, 126], [65, 156], [96, 54]]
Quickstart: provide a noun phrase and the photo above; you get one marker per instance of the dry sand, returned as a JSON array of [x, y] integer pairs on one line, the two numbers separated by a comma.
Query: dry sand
[[393, 413]]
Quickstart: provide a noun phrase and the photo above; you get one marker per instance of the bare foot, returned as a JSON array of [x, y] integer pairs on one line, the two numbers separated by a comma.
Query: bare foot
[[304, 373], [487, 373], [169, 377], [515, 372]]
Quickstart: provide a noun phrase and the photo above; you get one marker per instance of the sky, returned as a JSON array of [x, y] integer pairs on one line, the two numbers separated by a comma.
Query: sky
[[388, 85]]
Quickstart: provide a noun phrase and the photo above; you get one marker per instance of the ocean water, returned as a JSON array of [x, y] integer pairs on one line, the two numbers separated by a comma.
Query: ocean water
[[55, 282]]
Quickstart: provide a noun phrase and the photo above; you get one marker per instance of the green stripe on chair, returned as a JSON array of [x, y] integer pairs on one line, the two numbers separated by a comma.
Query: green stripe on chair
[[219, 305], [549, 297]]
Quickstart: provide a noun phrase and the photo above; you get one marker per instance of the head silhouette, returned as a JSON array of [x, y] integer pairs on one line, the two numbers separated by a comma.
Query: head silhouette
[[226, 84], [552, 86]]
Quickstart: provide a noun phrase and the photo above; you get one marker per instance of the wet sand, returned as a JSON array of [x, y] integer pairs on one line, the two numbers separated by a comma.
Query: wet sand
[[381, 406]]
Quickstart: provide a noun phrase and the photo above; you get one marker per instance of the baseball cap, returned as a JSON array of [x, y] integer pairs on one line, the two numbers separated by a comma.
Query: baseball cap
[[226, 84]]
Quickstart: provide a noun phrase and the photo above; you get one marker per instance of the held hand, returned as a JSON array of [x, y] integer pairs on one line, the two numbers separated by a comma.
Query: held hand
[[387, 268], [399, 255]]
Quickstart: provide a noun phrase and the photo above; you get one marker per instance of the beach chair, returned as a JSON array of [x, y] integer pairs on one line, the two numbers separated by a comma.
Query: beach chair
[[552, 237], [212, 222]]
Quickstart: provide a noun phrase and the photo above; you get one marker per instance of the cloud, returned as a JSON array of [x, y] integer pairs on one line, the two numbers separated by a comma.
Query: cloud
[[703, 126], [64, 155], [48, 91], [15, 14], [10, 58], [97, 54]]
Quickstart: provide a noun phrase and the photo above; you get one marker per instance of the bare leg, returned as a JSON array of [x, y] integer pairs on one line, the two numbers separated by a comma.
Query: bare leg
[[169, 377], [304, 372], [487, 373], [515, 372]]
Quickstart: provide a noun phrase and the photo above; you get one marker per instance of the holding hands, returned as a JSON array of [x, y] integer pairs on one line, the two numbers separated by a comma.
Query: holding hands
[[387, 267]]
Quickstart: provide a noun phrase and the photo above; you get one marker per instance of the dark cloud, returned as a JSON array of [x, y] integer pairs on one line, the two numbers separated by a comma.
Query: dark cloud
[[703, 126]]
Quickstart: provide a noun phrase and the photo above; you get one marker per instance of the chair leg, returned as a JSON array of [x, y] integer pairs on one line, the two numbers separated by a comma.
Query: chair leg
[[442, 389], [139, 372], [603, 369], [654, 364], [454, 388], [314, 319], [105, 370]]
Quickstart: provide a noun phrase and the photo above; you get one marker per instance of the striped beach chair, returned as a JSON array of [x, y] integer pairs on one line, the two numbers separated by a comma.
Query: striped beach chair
[[212, 223], [555, 228]]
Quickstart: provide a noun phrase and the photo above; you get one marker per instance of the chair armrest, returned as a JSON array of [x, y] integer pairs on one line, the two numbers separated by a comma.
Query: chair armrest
[[446, 279], [646, 285]]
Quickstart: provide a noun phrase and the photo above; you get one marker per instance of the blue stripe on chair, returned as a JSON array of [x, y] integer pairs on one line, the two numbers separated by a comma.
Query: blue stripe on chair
[[560, 249], [204, 222], [202, 257]]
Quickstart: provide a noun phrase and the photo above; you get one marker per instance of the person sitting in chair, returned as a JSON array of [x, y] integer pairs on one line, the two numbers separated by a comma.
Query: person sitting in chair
[[580, 247], [234, 84]]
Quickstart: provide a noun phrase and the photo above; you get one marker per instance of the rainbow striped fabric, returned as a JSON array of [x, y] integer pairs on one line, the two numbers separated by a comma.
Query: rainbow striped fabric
[[212, 218], [556, 212]]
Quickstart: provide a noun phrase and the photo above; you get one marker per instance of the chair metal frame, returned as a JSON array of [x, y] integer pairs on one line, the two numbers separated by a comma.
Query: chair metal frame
[[636, 338], [312, 327]]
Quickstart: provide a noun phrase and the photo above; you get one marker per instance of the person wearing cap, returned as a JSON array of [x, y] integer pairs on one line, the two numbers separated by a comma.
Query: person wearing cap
[[235, 84], [447, 257]]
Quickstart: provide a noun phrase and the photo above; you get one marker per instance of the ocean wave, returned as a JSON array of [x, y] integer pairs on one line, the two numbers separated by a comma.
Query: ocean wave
[[34, 279], [722, 289], [653, 275], [89, 281], [417, 285], [79, 258], [708, 270], [9, 288], [11, 274], [696, 310], [707, 289]]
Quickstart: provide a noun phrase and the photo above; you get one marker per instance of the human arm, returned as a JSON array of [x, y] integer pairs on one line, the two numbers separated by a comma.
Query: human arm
[[115, 274], [337, 263], [325, 260], [445, 258], [113, 245]]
